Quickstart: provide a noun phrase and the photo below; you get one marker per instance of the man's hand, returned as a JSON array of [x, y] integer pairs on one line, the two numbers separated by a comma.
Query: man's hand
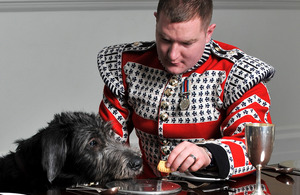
[[182, 157]]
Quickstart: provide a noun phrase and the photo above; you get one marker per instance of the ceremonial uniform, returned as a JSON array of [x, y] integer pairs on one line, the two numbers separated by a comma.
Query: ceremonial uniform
[[207, 105]]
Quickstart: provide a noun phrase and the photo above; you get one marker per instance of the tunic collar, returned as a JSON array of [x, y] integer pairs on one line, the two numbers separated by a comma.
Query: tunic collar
[[203, 59]]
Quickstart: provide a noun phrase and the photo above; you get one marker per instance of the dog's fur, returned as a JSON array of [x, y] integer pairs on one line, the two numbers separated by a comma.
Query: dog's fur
[[75, 147]]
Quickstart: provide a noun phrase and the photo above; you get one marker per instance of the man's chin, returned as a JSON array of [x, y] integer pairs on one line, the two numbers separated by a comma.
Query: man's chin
[[173, 70]]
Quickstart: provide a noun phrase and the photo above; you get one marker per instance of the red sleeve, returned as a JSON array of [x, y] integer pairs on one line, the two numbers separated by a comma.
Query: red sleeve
[[253, 107], [113, 109]]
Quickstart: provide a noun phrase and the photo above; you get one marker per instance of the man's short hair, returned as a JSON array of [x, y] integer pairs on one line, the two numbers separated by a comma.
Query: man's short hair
[[185, 10]]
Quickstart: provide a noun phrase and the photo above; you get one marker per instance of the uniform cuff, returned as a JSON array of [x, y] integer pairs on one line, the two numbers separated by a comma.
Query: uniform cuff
[[219, 159]]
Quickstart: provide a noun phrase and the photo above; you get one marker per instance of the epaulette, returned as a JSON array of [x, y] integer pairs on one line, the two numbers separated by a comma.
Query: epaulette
[[246, 72], [232, 55], [110, 63]]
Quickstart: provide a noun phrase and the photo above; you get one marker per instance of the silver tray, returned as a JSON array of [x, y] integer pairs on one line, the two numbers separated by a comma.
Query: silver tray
[[145, 186]]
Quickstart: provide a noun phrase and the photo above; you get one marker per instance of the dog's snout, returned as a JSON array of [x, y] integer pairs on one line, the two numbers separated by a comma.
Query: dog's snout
[[135, 163]]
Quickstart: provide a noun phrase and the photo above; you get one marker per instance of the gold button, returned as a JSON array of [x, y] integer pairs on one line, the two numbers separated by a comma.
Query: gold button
[[165, 142], [168, 92], [174, 82], [165, 150], [217, 49], [164, 105], [136, 43], [164, 116]]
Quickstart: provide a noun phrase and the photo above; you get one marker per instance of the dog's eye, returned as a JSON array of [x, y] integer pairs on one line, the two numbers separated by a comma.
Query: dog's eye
[[93, 143]]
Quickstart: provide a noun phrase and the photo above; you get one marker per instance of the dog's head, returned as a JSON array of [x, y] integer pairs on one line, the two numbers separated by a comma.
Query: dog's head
[[69, 133], [83, 145]]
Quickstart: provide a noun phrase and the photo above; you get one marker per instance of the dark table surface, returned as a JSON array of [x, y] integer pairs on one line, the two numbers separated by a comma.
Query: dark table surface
[[272, 183]]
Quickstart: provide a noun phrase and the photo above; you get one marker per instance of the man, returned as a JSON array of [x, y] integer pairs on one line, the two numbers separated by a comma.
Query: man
[[187, 96]]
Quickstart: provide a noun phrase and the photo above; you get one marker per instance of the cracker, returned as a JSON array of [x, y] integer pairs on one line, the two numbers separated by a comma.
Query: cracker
[[162, 167]]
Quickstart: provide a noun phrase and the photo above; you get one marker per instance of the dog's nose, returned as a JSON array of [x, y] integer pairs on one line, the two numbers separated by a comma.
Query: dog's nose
[[135, 163]]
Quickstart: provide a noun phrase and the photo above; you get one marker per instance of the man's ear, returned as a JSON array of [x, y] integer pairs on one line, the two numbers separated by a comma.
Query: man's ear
[[209, 32], [155, 15]]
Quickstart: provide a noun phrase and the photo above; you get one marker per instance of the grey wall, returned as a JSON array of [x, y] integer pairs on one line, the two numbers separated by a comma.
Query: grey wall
[[48, 63]]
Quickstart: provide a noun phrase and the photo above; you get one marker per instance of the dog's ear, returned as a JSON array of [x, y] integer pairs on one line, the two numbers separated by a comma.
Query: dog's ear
[[54, 153]]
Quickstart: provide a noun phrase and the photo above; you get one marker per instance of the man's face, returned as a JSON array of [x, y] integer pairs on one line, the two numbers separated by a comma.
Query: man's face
[[180, 45]]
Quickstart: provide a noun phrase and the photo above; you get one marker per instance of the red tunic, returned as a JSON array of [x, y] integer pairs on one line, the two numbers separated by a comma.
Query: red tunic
[[226, 90]]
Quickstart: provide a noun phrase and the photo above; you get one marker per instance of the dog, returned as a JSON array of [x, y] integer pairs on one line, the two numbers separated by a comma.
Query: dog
[[75, 147]]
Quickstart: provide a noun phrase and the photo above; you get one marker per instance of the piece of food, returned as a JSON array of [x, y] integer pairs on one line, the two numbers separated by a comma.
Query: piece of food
[[162, 167]]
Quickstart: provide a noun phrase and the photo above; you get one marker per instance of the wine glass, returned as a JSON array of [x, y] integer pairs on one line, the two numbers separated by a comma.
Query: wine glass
[[259, 144]]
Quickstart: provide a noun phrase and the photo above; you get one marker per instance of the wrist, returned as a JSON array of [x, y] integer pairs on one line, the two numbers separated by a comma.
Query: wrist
[[209, 154]]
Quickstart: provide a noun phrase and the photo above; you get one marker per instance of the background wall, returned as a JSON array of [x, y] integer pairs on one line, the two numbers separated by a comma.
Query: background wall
[[48, 60]]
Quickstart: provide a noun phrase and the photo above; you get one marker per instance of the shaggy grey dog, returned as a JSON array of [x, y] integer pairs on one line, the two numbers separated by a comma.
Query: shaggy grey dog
[[75, 147]]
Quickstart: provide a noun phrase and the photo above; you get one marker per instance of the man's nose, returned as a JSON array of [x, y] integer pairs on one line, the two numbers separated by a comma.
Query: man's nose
[[173, 52]]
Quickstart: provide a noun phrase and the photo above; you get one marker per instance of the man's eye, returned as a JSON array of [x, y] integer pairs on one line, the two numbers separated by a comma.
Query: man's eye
[[165, 40], [187, 43]]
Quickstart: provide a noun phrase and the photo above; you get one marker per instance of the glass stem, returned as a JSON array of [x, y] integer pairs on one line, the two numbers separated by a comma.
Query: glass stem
[[258, 188]]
